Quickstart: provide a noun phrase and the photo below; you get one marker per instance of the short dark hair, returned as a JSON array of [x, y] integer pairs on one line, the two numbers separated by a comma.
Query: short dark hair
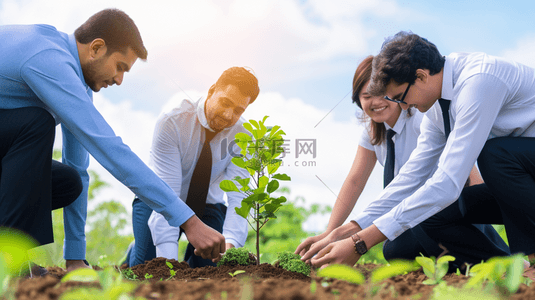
[[242, 78], [116, 28], [400, 57]]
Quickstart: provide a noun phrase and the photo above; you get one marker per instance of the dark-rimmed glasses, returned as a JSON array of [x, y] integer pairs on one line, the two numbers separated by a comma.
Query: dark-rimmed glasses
[[402, 100]]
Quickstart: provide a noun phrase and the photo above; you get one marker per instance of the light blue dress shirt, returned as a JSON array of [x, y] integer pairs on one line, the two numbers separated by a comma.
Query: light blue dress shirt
[[40, 66]]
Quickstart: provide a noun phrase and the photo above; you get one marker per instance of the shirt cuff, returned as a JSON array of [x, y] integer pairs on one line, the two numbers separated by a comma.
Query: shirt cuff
[[233, 242], [177, 214], [389, 227], [74, 250], [167, 250], [364, 220]]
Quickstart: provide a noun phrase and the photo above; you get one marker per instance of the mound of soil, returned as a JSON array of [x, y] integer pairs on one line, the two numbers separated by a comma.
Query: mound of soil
[[261, 282]]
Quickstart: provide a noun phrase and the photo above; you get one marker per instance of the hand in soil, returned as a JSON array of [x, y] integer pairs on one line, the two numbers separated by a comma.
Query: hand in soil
[[208, 243], [303, 248], [341, 252], [72, 265]]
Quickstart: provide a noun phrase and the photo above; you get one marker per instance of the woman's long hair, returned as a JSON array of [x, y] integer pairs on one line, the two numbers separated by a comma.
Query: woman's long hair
[[361, 77]]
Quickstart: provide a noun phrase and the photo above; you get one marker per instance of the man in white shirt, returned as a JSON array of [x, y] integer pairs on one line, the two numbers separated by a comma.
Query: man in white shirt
[[492, 116], [177, 143]]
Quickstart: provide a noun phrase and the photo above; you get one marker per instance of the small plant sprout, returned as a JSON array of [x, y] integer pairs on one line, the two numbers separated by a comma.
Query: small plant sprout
[[505, 273], [393, 268], [232, 274], [259, 152], [342, 272], [171, 271], [434, 271], [148, 276], [129, 274]]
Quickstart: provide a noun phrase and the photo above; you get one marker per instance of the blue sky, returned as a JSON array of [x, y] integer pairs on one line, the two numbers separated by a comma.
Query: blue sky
[[304, 54]]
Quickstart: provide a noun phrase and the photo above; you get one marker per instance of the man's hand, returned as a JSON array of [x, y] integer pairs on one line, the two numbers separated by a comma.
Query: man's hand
[[72, 265], [228, 246], [304, 247], [341, 252], [208, 243]]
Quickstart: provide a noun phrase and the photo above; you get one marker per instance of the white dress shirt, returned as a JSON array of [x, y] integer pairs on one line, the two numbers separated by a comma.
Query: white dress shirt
[[490, 97], [175, 149], [407, 130]]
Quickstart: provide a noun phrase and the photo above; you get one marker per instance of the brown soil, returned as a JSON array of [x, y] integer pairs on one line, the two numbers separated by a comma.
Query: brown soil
[[258, 282]]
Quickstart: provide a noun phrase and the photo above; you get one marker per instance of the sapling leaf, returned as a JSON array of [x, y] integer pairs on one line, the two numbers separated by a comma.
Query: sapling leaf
[[239, 161], [243, 211], [273, 167], [228, 186], [262, 183], [248, 127], [255, 124], [279, 200], [272, 186], [281, 177], [242, 137], [274, 130]]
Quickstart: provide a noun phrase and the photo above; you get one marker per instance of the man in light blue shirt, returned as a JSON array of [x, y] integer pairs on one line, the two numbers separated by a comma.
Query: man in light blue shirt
[[48, 77]]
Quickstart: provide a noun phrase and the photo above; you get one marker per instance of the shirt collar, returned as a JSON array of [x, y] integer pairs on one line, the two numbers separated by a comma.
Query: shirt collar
[[400, 123], [447, 79], [73, 48], [201, 116]]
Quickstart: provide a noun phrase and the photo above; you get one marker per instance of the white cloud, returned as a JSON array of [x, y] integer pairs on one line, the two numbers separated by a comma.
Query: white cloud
[[190, 41], [523, 51]]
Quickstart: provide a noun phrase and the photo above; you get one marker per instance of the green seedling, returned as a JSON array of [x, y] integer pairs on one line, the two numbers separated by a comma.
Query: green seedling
[[148, 276], [14, 246], [342, 272], [260, 151], [349, 274], [235, 256], [393, 268], [113, 286], [129, 274], [505, 273], [232, 274], [434, 270], [171, 271], [313, 287]]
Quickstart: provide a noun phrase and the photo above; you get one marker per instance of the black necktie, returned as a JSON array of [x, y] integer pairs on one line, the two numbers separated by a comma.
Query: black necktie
[[390, 157], [200, 180], [445, 106]]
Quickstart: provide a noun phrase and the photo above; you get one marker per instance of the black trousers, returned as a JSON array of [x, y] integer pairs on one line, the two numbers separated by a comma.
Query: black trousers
[[31, 183], [455, 230], [507, 165]]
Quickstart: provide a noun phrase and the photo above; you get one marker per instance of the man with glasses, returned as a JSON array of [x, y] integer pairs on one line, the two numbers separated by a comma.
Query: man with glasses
[[491, 115]]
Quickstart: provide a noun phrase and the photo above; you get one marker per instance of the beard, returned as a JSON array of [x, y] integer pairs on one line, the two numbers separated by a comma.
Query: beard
[[90, 71]]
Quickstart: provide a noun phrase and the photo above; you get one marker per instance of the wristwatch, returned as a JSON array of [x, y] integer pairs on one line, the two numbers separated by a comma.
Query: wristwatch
[[360, 245]]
